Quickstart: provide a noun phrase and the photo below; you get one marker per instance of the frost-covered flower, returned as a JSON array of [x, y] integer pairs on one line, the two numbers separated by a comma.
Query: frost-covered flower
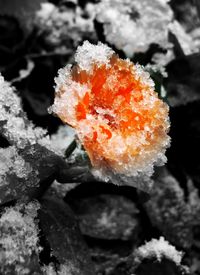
[[117, 114], [132, 25]]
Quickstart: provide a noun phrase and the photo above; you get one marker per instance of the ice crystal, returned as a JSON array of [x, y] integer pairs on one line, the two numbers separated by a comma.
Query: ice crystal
[[158, 249], [132, 25], [18, 238], [118, 117], [89, 55], [12, 163]]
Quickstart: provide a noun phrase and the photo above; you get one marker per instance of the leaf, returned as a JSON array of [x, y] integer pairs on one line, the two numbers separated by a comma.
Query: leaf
[[31, 177], [183, 83], [197, 3], [165, 267], [107, 217], [19, 243], [62, 233]]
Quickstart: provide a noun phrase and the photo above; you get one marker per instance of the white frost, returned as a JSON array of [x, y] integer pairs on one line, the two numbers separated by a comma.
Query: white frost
[[159, 249], [89, 54], [18, 234]]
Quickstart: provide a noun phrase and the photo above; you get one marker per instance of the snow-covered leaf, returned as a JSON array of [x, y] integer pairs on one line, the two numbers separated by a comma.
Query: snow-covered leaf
[[19, 242]]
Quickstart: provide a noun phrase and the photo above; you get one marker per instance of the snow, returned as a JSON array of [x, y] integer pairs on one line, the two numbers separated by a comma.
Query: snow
[[132, 25], [18, 234], [62, 139], [185, 40], [159, 249], [64, 27], [64, 269], [138, 24], [12, 163], [14, 123], [88, 54]]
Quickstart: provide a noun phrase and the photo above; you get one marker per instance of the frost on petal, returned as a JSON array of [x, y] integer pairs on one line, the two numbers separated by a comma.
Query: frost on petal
[[118, 116], [19, 245], [158, 249], [88, 54]]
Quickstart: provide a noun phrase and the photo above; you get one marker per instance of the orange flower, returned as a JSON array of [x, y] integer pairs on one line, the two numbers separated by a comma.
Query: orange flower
[[118, 116]]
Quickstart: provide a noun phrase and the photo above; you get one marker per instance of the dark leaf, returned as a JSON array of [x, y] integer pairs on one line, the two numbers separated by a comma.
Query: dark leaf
[[170, 213], [62, 233], [107, 217], [22, 10], [183, 83], [197, 3], [165, 267]]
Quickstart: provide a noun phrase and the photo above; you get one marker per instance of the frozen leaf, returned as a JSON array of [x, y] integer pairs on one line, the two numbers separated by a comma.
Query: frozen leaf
[[184, 39], [14, 125], [186, 13], [109, 261], [27, 173], [170, 213], [66, 269], [61, 231], [17, 176], [107, 217], [62, 189], [135, 26], [19, 243], [64, 28]]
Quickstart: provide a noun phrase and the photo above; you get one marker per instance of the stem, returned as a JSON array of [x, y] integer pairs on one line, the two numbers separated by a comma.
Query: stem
[[71, 148]]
